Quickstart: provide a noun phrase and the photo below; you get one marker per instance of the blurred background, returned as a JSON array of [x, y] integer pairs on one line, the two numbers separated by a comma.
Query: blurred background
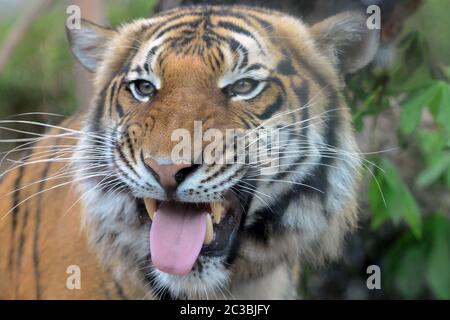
[[400, 106]]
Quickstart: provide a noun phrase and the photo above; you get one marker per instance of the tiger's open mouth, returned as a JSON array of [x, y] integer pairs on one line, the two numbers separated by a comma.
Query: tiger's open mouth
[[180, 232]]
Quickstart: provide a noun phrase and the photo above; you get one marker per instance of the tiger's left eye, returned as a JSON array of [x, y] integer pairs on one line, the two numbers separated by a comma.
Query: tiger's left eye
[[242, 87], [142, 90]]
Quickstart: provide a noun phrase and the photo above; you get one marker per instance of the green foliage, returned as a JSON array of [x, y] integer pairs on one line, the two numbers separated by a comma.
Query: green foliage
[[418, 261], [437, 97], [412, 109], [390, 199], [412, 266]]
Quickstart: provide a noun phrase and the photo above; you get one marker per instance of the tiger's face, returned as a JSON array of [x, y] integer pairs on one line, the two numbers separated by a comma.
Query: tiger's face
[[193, 227]]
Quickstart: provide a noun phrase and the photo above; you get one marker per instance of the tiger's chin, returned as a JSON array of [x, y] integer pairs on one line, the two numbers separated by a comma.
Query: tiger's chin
[[209, 279]]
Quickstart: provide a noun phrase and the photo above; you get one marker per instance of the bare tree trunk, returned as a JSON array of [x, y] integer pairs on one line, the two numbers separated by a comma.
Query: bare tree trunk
[[92, 10]]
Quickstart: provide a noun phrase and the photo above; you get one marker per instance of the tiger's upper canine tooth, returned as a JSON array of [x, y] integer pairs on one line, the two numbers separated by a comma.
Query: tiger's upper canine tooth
[[216, 211], [209, 230], [150, 205]]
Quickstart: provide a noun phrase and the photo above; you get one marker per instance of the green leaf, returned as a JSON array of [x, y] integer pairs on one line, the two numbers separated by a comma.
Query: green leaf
[[379, 211], [438, 271], [410, 264], [447, 178], [412, 109], [431, 142], [409, 276], [383, 196], [411, 213], [440, 105], [399, 203], [439, 165]]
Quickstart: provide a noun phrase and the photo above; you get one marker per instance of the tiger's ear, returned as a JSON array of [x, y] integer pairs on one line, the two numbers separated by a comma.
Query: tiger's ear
[[88, 43], [346, 40]]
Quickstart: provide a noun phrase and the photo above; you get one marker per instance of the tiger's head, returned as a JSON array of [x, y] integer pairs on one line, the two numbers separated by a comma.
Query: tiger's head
[[195, 229]]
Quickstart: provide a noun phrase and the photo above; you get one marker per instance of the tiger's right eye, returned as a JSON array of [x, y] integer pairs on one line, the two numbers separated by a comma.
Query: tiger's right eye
[[142, 90], [244, 88]]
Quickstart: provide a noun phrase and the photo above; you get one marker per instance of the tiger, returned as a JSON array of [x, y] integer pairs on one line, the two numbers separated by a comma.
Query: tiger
[[96, 208]]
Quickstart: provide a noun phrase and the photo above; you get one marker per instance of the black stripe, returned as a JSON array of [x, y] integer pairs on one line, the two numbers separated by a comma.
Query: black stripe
[[119, 110], [221, 55], [126, 161], [138, 69], [266, 26], [255, 66], [332, 121], [98, 112], [286, 68], [331, 124], [112, 90], [105, 291], [192, 24], [150, 53], [302, 94], [269, 221], [173, 18], [38, 213], [318, 178], [237, 29], [130, 147], [119, 290], [251, 118], [213, 62], [271, 109], [245, 202], [15, 212], [247, 125], [238, 47], [21, 243], [127, 176], [276, 81], [269, 218], [37, 230]]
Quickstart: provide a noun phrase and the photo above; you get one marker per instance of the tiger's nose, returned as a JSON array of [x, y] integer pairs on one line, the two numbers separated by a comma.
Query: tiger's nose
[[170, 175]]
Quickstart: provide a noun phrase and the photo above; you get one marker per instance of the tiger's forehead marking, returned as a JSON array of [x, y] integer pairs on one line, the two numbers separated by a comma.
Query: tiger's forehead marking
[[238, 48]]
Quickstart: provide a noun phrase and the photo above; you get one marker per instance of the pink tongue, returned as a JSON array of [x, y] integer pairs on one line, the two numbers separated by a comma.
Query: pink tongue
[[176, 238]]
